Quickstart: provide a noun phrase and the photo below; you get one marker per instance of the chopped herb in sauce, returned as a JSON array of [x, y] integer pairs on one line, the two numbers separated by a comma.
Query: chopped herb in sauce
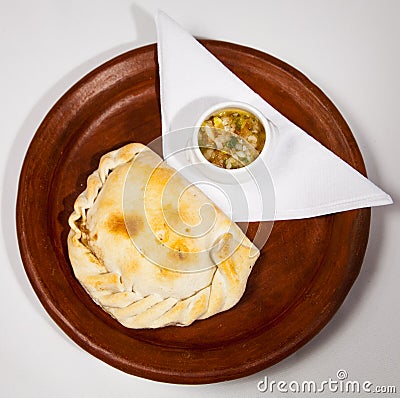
[[232, 142], [231, 138]]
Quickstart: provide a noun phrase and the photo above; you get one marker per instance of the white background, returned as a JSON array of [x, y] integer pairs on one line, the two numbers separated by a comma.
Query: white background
[[349, 48]]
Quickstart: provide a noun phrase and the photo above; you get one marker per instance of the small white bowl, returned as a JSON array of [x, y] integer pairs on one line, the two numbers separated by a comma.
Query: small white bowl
[[219, 174]]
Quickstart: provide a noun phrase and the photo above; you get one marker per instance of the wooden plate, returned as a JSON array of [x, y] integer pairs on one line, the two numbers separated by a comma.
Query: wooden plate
[[303, 275]]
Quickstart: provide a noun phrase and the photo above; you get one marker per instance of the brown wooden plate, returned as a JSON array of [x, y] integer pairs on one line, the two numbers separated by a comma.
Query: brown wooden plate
[[303, 275]]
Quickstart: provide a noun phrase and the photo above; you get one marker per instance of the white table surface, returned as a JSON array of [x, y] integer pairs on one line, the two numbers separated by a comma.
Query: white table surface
[[349, 48]]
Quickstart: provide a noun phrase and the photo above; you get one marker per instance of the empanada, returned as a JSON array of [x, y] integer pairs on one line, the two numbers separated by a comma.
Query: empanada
[[151, 249]]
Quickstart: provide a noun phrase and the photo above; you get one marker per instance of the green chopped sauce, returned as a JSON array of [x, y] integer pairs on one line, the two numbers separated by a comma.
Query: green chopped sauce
[[232, 142], [231, 138]]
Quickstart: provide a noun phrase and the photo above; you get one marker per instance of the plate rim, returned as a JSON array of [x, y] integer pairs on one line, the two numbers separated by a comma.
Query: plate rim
[[361, 231]]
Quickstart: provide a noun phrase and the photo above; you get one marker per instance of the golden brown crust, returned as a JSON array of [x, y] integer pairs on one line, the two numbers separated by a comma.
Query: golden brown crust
[[117, 275]]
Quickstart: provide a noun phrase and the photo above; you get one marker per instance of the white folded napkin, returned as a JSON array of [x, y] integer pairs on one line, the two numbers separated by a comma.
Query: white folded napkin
[[305, 178]]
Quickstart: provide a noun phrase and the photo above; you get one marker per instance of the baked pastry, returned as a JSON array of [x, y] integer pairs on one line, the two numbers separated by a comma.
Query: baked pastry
[[151, 249]]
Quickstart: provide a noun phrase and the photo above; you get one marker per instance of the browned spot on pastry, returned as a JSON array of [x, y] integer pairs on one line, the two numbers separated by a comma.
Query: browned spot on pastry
[[115, 224], [229, 270], [177, 255], [200, 305], [95, 237], [130, 266], [178, 251], [129, 227], [160, 177], [103, 281], [165, 273], [92, 258]]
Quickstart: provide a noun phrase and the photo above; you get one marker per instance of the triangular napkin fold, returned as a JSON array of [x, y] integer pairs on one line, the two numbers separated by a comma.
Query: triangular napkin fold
[[308, 179]]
